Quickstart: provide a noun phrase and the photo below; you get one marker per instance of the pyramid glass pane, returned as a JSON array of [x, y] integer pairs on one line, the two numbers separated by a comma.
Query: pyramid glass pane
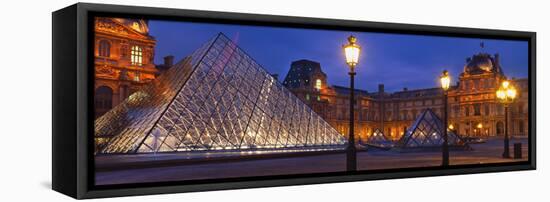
[[427, 131], [218, 98]]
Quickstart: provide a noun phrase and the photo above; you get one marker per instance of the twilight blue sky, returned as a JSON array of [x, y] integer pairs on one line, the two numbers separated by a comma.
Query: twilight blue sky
[[396, 60]]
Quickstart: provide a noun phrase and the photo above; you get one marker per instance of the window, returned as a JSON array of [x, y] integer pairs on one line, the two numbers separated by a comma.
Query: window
[[318, 84], [520, 108], [104, 48], [136, 76], [467, 111], [137, 56], [307, 96], [487, 111], [481, 83], [521, 127], [103, 100], [456, 110], [477, 110], [500, 128]]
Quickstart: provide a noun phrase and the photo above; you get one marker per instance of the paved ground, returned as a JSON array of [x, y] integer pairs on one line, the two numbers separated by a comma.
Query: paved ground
[[489, 152]]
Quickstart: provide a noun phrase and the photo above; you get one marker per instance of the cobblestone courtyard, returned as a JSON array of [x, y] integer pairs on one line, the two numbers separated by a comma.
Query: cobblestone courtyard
[[489, 152]]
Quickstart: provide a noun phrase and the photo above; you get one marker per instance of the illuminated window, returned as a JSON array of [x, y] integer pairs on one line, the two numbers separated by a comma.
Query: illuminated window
[[318, 84], [104, 48], [136, 76], [307, 96], [137, 55]]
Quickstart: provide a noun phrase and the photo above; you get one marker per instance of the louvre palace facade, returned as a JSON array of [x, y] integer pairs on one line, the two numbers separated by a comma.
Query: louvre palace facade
[[473, 109], [123, 59]]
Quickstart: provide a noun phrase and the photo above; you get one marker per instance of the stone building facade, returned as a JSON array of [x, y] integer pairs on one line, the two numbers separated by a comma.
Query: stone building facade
[[473, 109], [123, 57]]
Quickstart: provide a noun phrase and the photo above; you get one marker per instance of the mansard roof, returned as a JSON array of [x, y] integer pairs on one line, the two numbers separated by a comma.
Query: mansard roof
[[341, 90]]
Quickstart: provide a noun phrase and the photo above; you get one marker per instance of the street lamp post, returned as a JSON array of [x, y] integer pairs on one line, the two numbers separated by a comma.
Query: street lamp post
[[351, 51], [506, 94], [445, 84]]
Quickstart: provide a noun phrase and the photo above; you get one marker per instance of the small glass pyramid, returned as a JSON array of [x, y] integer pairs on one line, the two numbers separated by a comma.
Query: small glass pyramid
[[378, 139], [427, 131]]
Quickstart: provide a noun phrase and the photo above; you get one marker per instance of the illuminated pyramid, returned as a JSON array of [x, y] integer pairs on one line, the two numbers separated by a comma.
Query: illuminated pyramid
[[427, 131], [218, 98], [378, 139]]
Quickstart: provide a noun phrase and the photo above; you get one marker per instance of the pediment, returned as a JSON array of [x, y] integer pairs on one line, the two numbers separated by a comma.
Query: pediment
[[108, 25]]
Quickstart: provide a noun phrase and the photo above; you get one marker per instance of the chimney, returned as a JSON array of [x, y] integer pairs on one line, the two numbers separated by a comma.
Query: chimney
[[169, 61], [405, 89], [381, 88], [276, 76]]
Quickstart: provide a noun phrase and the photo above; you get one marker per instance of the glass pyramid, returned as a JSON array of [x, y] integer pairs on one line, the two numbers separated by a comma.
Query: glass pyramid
[[378, 139], [427, 131], [218, 98]]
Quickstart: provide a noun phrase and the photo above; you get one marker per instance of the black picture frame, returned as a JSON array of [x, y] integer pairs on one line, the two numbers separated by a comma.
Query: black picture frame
[[72, 70]]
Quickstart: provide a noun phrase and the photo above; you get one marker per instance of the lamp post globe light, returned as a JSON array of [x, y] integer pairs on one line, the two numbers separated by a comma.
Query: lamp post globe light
[[351, 51], [445, 84], [506, 94]]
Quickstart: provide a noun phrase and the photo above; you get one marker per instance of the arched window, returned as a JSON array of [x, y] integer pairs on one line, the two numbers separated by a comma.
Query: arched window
[[104, 48], [103, 100], [477, 109], [137, 55]]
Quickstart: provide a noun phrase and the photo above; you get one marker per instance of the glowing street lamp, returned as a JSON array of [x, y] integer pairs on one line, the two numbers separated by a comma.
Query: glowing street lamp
[[445, 84], [351, 51], [506, 94], [445, 80]]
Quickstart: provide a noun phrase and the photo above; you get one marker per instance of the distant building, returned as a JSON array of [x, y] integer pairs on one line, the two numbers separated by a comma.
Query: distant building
[[124, 53], [473, 110]]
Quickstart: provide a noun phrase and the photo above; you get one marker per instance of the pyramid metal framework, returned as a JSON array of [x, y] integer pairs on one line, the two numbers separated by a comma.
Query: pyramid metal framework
[[427, 131], [218, 98], [379, 139]]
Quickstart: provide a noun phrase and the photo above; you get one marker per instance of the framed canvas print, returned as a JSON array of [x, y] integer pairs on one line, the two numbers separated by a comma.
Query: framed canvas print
[[154, 100]]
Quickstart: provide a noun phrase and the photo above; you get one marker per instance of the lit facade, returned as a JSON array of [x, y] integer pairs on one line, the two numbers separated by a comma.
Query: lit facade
[[473, 109], [124, 53]]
